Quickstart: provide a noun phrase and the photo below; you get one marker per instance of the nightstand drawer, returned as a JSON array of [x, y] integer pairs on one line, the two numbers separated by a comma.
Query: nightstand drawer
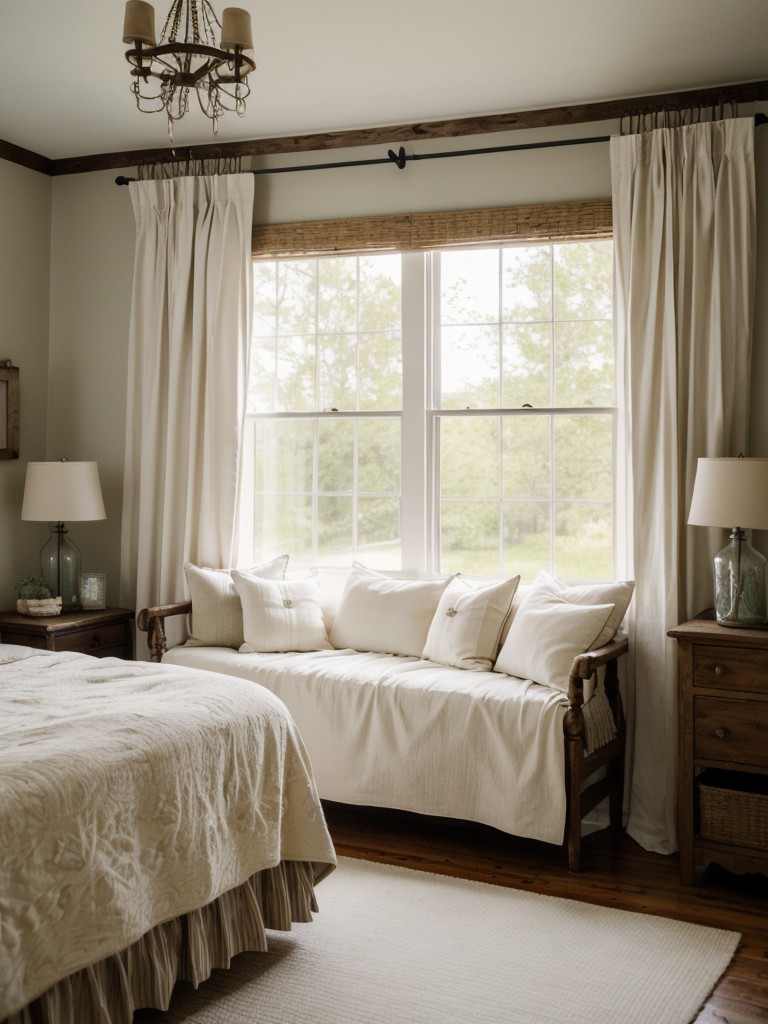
[[730, 668], [731, 731], [97, 640]]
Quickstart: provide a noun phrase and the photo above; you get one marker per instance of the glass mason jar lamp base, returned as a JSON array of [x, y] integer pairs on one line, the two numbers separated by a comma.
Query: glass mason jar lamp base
[[740, 584], [60, 565]]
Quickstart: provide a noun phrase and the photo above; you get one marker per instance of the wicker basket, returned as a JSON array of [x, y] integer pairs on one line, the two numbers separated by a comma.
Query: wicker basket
[[733, 808]]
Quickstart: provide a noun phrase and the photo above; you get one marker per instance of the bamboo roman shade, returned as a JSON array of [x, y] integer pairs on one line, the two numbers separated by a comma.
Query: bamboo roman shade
[[417, 231]]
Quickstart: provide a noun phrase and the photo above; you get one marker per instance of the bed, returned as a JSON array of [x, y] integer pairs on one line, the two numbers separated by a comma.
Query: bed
[[154, 822]]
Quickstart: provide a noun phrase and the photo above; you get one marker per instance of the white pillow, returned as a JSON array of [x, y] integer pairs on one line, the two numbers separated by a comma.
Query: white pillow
[[466, 629], [280, 615], [546, 634], [618, 593], [390, 616], [217, 617]]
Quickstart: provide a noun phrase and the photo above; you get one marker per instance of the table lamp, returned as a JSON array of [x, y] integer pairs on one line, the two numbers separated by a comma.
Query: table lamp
[[734, 493], [54, 492]]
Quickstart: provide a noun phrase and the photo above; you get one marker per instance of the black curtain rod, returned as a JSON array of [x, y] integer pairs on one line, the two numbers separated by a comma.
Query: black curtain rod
[[401, 158]]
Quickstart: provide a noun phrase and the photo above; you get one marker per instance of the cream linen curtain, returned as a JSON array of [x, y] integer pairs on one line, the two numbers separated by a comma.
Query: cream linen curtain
[[187, 379], [684, 242]]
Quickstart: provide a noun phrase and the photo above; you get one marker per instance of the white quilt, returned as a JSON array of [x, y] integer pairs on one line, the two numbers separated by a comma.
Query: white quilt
[[388, 731], [131, 793]]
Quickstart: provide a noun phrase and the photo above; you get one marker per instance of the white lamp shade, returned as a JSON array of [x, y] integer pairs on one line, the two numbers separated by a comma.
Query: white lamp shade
[[62, 491], [732, 493]]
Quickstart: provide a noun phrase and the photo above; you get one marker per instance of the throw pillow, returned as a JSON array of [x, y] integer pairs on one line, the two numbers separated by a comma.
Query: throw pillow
[[280, 615], [618, 593], [389, 616], [217, 617], [466, 629], [546, 635]]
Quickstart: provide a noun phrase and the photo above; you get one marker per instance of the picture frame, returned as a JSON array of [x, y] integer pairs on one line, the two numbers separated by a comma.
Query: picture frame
[[9, 410], [93, 590]]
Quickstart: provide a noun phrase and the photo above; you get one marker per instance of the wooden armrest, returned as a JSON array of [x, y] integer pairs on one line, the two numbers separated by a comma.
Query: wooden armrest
[[585, 665], [162, 611], [151, 621]]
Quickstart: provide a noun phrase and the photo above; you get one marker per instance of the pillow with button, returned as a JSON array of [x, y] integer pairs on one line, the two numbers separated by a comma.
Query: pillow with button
[[280, 615], [467, 626]]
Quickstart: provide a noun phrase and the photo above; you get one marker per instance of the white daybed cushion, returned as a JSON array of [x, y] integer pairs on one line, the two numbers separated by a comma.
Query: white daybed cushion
[[466, 629], [546, 634], [386, 615], [615, 592], [385, 731], [217, 617], [280, 615]]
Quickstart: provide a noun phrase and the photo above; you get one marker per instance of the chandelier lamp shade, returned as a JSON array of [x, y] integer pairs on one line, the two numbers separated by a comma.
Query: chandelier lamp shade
[[188, 57], [733, 493], [53, 492]]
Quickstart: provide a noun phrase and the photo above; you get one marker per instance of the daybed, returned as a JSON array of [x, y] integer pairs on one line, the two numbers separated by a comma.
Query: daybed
[[475, 701], [154, 820]]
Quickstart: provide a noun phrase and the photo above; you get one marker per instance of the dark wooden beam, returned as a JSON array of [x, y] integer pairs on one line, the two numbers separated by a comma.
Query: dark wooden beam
[[608, 110], [25, 157]]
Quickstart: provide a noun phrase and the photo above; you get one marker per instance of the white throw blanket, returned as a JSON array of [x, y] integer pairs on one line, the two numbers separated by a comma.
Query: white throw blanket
[[131, 793], [389, 731]]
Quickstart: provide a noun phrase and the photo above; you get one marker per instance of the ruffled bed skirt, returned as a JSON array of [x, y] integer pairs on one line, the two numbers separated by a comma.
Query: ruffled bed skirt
[[187, 948]]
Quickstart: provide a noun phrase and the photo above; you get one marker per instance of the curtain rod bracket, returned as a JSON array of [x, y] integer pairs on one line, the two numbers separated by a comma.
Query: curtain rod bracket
[[398, 158]]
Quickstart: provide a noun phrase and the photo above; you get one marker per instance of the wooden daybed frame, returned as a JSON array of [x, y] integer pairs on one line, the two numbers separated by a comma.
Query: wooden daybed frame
[[580, 766]]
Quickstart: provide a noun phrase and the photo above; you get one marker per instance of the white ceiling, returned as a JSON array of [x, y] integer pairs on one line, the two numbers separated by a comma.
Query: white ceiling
[[325, 65]]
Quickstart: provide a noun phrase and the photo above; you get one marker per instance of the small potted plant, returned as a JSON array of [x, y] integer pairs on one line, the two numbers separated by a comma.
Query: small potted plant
[[34, 598]]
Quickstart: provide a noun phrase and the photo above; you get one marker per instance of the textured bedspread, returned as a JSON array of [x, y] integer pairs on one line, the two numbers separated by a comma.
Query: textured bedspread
[[390, 731], [131, 793]]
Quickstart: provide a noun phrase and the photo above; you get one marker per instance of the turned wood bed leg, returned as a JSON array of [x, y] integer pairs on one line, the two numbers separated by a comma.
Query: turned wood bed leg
[[616, 769]]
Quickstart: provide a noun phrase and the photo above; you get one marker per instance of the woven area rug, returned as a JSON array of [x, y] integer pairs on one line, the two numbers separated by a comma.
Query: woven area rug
[[396, 946]]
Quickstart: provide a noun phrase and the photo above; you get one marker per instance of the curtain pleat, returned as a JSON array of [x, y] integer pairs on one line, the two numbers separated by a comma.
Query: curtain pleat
[[187, 380], [684, 244]]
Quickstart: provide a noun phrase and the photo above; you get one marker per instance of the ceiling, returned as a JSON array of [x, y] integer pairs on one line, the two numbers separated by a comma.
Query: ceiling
[[333, 65]]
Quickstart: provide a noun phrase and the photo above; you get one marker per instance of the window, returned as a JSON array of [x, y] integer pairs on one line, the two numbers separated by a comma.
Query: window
[[441, 410]]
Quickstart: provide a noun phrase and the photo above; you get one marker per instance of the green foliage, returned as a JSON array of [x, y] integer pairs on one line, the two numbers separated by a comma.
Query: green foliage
[[32, 588]]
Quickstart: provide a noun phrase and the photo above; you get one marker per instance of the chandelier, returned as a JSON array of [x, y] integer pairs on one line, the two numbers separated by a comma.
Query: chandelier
[[187, 57]]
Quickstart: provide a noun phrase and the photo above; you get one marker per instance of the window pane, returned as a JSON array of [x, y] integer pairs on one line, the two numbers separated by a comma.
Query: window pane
[[335, 456], [469, 457], [338, 371], [378, 455], [526, 537], [527, 366], [584, 363], [583, 280], [337, 295], [378, 532], [469, 368], [584, 541], [334, 529], [379, 302], [469, 285], [527, 283], [584, 457], [264, 298], [261, 382], [380, 371], [283, 456], [469, 536], [283, 523], [295, 371], [525, 457], [296, 296]]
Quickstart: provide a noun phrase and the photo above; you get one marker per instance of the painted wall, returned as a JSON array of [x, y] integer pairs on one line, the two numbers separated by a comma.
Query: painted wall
[[25, 229], [92, 264]]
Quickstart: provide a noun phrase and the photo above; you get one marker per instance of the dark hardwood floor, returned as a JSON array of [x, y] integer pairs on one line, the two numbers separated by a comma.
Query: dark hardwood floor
[[616, 872]]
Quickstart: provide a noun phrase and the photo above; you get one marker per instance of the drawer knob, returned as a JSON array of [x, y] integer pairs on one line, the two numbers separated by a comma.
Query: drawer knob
[[95, 640], [720, 733], [719, 670]]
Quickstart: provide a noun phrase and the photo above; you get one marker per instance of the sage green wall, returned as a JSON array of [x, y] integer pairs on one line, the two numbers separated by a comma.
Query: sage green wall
[[92, 266], [25, 229]]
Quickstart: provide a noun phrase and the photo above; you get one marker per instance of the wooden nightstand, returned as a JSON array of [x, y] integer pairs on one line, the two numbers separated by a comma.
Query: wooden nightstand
[[723, 796], [107, 633]]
